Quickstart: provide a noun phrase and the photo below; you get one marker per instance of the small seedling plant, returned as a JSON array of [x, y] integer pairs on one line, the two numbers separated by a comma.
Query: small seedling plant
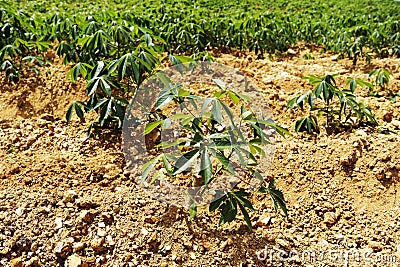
[[381, 79], [339, 107], [110, 83], [219, 141]]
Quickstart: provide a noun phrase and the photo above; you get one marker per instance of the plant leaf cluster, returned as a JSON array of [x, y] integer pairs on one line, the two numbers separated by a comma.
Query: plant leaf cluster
[[215, 139], [340, 107]]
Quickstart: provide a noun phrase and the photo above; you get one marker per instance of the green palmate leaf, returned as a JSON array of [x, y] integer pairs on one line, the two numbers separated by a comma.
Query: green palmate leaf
[[84, 69], [318, 90], [277, 198], [100, 103], [167, 165], [327, 93], [330, 79], [164, 100], [178, 61], [302, 99], [299, 124], [247, 115], [228, 112], [308, 124], [258, 175], [242, 160], [373, 72], [184, 162], [218, 136], [258, 132], [99, 68], [79, 112], [180, 116], [216, 111], [242, 109], [69, 112], [311, 99], [184, 59], [224, 161], [312, 79], [193, 210], [276, 195], [165, 145], [252, 161], [93, 126], [151, 126], [292, 103], [80, 68], [223, 144], [245, 215], [220, 94], [74, 72], [352, 83], [182, 92], [146, 60], [280, 130], [92, 86], [256, 149], [217, 203], [148, 39], [105, 86], [148, 166], [228, 211], [235, 98], [244, 97], [205, 166], [174, 60], [159, 175], [240, 196], [220, 84], [105, 112], [122, 64]]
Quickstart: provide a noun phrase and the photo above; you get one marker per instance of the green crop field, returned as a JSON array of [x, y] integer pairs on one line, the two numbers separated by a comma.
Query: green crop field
[[86, 60], [129, 37], [354, 28], [117, 45]]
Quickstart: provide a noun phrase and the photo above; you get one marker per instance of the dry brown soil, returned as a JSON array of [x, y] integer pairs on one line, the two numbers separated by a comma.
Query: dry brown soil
[[66, 200]]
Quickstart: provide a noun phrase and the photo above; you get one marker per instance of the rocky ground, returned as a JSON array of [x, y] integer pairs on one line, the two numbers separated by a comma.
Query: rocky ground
[[68, 200]]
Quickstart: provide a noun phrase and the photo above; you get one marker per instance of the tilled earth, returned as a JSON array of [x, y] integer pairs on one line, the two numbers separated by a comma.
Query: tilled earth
[[68, 200]]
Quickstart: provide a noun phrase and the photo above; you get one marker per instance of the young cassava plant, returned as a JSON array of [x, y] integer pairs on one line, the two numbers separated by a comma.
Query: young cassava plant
[[340, 107], [381, 78], [222, 143]]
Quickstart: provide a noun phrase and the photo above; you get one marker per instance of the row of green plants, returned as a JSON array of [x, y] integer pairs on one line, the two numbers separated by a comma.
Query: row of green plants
[[219, 138], [341, 108], [360, 29]]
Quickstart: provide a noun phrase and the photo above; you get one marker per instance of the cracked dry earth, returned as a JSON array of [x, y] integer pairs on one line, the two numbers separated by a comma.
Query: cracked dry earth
[[66, 200]]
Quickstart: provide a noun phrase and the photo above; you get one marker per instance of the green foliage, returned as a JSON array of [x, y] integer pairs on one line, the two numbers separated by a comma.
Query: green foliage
[[340, 106], [276, 196], [382, 77], [88, 31], [20, 43], [216, 139], [112, 75]]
